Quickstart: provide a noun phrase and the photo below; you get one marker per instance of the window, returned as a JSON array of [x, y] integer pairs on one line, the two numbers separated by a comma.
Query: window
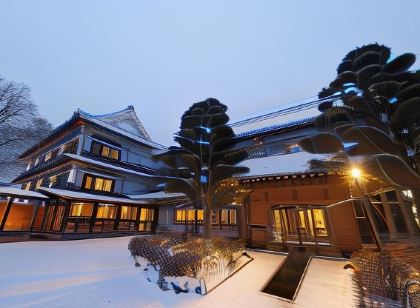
[[96, 183], [106, 211], [228, 217], [36, 161], [53, 180], [81, 209], [104, 150], [146, 214], [38, 183], [26, 186], [48, 156], [129, 212], [146, 219], [71, 147], [182, 216]]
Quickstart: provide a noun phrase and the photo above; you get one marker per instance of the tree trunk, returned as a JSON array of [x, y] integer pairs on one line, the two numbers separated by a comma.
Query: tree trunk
[[207, 218]]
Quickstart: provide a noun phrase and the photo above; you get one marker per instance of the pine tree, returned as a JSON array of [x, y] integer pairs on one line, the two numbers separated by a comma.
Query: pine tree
[[203, 165]]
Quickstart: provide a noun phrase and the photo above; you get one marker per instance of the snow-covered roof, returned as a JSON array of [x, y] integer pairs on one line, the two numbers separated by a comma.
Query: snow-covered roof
[[293, 163], [76, 195], [288, 115], [157, 195], [124, 122], [105, 165], [20, 193]]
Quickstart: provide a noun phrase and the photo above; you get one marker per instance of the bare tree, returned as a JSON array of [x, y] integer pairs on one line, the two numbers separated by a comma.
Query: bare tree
[[21, 126]]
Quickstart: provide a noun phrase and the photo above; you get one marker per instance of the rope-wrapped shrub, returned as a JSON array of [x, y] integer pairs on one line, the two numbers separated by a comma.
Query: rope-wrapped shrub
[[197, 265]]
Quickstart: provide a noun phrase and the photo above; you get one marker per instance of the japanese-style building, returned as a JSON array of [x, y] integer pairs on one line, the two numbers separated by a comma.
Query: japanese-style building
[[91, 179], [86, 169]]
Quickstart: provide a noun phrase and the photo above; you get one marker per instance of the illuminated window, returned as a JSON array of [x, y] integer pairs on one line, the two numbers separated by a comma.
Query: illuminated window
[[48, 156], [182, 216], [129, 212], [38, 183], [104, 150], [146, 214], [26, 186], [106, 211], [88, 182], [319, 222], [107, 185], [81, 209], [228, 216], [97, 183], [36, 161], [114, 154], [53, 180]]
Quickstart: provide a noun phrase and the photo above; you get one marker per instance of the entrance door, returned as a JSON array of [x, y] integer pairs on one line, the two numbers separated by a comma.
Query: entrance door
[[299, 225]]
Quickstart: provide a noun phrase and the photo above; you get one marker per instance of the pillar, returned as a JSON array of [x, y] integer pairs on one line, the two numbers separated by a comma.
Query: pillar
[[412, 227], [393, 233], [6, 212]]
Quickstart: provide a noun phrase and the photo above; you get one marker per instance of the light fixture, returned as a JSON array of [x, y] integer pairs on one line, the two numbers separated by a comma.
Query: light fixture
[[356, 173]]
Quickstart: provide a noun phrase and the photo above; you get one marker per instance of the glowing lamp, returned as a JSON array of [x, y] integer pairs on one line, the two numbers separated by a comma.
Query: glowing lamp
[[356, 173]]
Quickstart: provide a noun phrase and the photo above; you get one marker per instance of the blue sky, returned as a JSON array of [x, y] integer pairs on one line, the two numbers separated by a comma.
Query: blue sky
[[162, 56]]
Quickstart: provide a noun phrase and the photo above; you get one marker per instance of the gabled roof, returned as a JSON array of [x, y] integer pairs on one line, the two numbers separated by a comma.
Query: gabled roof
[[124, 123], [125, 120], [290, 115]]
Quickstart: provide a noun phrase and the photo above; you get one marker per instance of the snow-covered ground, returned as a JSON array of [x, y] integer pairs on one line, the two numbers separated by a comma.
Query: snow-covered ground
[[101, 273]]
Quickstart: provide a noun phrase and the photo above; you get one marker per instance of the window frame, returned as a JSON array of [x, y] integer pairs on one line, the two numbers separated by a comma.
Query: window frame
[[93, 183], [110, 149]]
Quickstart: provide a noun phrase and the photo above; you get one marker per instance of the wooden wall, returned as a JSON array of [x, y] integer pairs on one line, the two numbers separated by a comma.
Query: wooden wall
[[318, 190]]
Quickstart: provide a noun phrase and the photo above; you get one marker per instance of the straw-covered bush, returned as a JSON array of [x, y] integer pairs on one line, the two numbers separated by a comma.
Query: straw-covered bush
[[197, 265]]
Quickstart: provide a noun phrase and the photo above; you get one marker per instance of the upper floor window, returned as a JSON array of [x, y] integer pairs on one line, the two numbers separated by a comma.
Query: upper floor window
[[48, 156], [104, 150], [71, 147], [26, 186], [91, 182], [38, 183]]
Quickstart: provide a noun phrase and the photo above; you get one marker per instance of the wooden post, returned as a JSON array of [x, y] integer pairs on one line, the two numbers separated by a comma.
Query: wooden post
[[65, 217], [393, 233], [47, 208], [137, 224], [117, 217], [36, 207], [155, 218], [6, 212], [53, 217], [93, 217]]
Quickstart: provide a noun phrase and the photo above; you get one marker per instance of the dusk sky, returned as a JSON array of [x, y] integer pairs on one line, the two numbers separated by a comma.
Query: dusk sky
[[162, 56]]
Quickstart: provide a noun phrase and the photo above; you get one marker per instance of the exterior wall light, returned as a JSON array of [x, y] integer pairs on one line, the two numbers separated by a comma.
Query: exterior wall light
[[356, 173]]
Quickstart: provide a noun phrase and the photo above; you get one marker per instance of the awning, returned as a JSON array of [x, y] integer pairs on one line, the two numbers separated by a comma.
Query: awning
[[20, 193]]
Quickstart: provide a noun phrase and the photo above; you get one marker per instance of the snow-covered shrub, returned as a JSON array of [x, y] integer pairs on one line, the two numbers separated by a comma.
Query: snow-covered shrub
[[197, 265]]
